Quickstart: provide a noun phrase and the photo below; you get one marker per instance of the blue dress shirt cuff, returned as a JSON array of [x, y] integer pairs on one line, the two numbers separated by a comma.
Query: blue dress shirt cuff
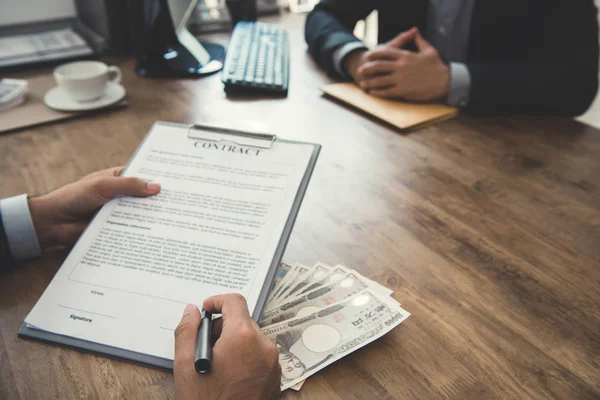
[[19, 229], [460, 83], [341, 52]]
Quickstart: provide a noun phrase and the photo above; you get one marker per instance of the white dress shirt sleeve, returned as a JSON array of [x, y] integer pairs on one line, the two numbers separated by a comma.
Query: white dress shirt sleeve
[[460, 84], [19, 229], [341, 52]]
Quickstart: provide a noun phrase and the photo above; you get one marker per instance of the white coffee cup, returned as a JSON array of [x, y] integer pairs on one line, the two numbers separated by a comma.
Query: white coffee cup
[[86, 80]]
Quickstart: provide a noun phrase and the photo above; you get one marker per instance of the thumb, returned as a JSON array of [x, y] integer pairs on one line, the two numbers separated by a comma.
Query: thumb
[[403, 39], [232, 306], [113, 186], [186, 334], [421, 43]]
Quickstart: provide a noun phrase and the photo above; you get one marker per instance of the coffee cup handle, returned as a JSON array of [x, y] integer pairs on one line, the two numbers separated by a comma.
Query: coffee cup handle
[[116, 71]]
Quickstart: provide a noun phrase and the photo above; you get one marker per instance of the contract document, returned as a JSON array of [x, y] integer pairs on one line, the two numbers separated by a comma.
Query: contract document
[[219, 225]]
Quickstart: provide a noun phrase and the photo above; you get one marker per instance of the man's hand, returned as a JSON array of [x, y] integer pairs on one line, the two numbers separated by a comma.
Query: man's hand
[[60, 216], [353, 61], [245, 363], [391, 72]]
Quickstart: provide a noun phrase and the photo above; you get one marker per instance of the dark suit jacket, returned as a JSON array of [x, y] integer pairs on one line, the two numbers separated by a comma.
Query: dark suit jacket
[[525, 56], [6, 259]]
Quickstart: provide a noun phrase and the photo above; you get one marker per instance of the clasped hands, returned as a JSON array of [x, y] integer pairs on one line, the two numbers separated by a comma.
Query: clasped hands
[[390, 71]]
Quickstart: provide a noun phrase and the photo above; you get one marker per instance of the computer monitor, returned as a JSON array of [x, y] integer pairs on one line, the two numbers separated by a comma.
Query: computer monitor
[[169, 48], [181, 11]]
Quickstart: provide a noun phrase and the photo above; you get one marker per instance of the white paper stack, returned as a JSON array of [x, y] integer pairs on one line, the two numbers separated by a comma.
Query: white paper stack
[[12, 93]]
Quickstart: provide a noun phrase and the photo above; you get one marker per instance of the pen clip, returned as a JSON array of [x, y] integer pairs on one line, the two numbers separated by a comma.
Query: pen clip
[[205, 314]]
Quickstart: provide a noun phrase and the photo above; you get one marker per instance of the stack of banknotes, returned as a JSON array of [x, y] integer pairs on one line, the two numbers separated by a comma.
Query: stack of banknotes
[[317, 315]]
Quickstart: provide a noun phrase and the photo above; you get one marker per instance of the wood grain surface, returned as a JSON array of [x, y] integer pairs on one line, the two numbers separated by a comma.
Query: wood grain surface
[[487, 229]]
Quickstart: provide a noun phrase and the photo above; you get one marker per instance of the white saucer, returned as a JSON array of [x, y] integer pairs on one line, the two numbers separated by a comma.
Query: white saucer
[[57, 99]]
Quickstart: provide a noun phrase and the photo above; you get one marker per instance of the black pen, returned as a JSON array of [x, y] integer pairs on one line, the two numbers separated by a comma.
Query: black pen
[[203, 345]]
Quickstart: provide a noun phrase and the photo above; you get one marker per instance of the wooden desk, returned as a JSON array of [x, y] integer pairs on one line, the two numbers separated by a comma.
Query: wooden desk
[[487, 229]]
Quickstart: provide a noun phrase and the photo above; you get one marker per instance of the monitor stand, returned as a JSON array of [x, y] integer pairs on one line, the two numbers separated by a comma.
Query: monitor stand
[[167, 53]]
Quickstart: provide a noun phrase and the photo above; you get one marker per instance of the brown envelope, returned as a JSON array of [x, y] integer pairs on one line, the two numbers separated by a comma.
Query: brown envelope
[[34, 111], [400, 114]]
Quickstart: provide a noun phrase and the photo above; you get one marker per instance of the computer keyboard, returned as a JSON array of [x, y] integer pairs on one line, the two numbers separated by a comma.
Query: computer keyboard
[[257, 59]]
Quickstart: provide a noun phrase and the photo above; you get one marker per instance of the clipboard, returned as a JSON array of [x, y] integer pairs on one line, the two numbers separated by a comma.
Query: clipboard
[[209, 133], [243, 138]]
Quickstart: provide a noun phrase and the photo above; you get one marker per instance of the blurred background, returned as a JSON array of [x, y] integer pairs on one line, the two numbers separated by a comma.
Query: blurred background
[[210, 16]]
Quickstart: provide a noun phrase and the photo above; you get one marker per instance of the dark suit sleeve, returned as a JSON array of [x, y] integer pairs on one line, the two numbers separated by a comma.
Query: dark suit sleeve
[[6, 258], [561, 75], [330, 26]]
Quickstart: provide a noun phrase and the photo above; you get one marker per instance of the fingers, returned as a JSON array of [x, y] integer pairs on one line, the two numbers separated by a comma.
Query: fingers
[[185, 336], [111, 187], [231, 306], [114, 171], [385, 53], [375, 68], [389, 93], [109, 184], [217, 328], [378, 82], [421, 43], [403, 39], [117, 171]]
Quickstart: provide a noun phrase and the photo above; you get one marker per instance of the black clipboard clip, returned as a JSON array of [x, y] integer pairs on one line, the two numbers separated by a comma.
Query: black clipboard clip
[[213, 133]]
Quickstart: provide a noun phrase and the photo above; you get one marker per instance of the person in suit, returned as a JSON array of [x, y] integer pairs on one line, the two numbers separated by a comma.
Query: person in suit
[[28, 225], [487, 57]]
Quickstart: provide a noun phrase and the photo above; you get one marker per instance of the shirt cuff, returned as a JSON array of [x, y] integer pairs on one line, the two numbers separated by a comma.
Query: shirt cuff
[[460, 84], [19, 229], [341, 52]]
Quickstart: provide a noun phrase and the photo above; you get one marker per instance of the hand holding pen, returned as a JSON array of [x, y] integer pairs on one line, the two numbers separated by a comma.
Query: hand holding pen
[[203, 358], [244, 363]]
